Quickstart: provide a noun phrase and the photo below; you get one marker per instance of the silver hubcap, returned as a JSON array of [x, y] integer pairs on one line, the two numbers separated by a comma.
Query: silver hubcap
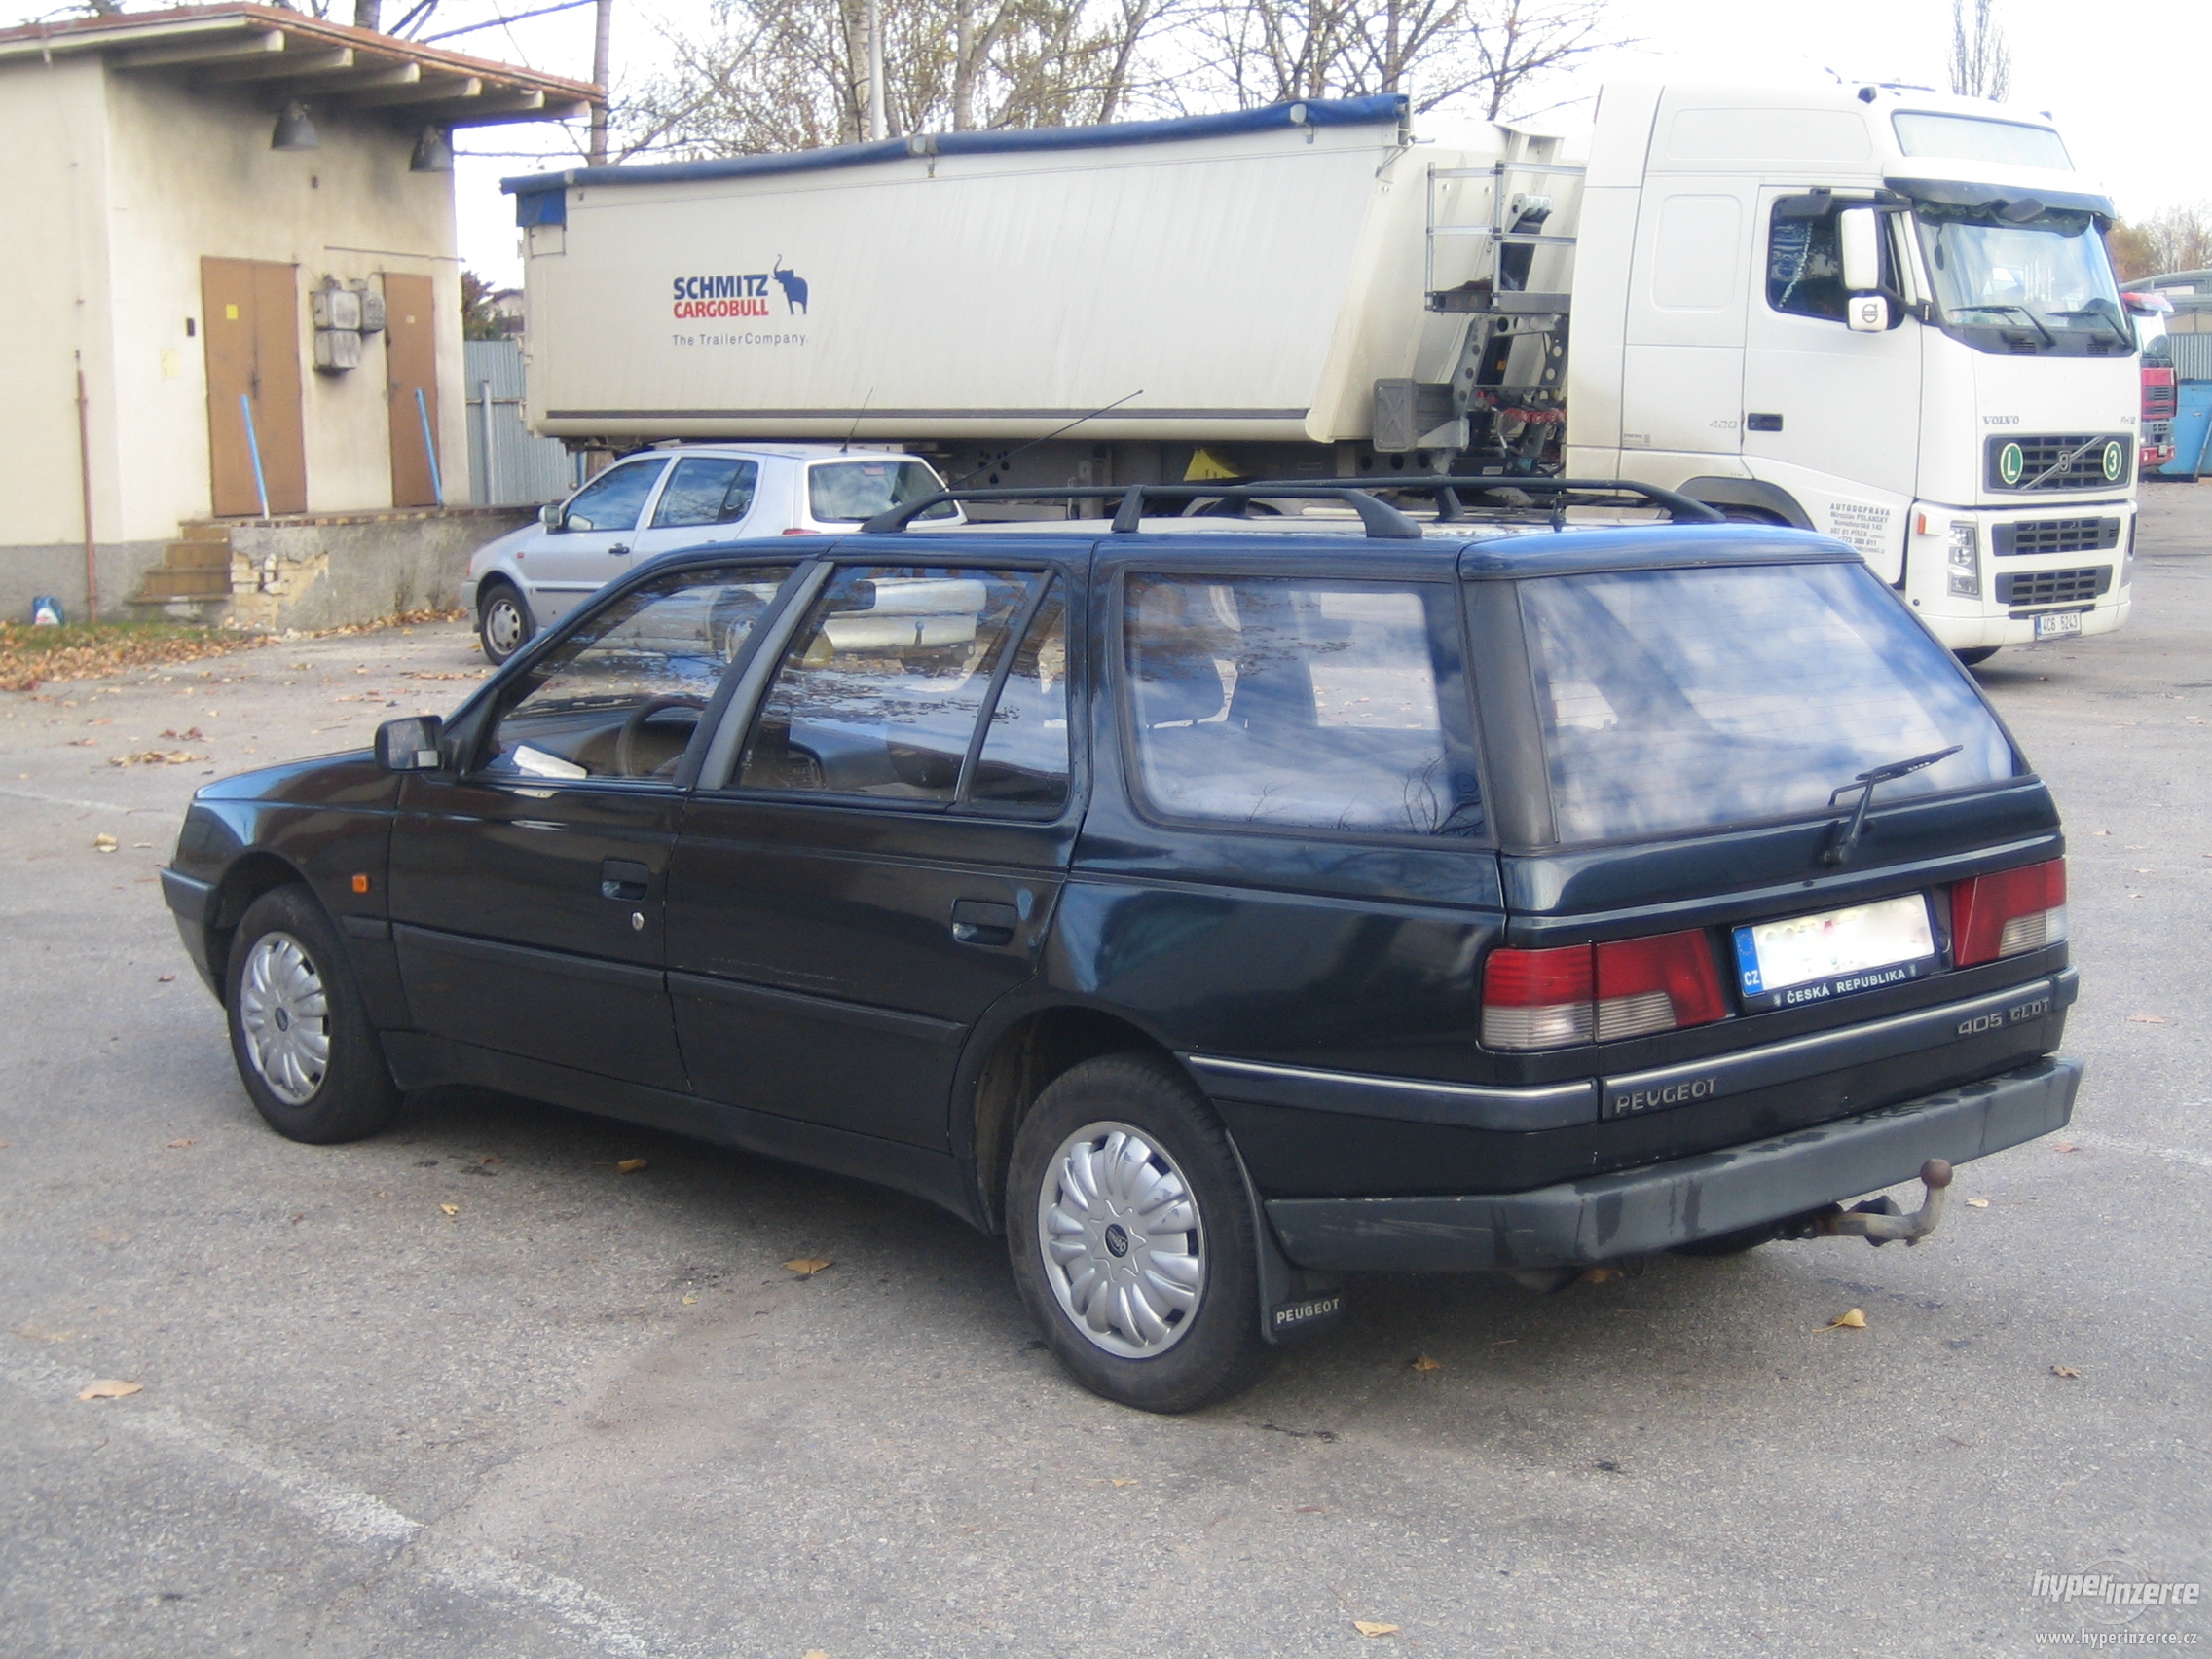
[[503, 624], [1119, 1232], [285, 1018]]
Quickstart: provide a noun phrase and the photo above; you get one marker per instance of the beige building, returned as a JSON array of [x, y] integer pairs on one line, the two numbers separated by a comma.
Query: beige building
[[232, 291]]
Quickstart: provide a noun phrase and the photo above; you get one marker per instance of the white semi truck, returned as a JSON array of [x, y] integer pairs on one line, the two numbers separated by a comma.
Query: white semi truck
[[1875, 311]]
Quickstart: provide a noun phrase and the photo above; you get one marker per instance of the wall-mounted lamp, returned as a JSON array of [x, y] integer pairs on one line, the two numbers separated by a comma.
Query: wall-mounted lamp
[[434, 152], [294, 130]]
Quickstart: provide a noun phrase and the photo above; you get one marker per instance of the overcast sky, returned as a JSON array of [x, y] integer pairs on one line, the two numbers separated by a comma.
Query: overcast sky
[[2117, 78]]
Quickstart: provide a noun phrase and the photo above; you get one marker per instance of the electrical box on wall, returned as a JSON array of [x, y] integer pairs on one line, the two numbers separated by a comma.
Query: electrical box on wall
[[343, 317], [337, 349]]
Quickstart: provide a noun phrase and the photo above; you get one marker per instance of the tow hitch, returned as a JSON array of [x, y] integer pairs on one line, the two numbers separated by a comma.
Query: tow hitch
[[1879, 1220]]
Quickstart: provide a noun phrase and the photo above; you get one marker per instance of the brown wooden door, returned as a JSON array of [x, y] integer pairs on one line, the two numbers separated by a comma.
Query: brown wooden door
[[251, 309], [411, 371]]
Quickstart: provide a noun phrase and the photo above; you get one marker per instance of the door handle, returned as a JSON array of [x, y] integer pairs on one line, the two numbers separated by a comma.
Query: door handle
[[623, 879], [622, 547], [980, 921]]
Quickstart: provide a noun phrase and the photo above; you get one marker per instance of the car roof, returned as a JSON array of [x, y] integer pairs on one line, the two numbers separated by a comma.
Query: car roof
[[790, 452], [1232, 544]]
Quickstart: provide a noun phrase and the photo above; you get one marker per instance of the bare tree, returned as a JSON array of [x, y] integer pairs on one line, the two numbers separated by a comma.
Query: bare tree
[[1981, 63], [2174, 238]]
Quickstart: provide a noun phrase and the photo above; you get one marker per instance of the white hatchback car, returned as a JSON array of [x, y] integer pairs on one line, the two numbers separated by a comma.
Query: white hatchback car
[[681, 496]]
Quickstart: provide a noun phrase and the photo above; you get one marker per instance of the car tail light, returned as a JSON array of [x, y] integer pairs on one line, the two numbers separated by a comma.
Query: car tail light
[[798, 530], [1554, 999], [2008, 913]]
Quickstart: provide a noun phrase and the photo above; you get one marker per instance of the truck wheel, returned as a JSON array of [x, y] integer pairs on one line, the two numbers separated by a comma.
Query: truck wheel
[[1131, 1238], [503, 624], [1979, 653], [300, 1032]]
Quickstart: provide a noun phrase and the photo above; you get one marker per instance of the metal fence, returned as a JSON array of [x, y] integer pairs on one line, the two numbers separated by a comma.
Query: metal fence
[[2192, 354], [509, 468]]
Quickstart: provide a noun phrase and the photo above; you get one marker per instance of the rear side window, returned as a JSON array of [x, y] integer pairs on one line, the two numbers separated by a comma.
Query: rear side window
[[707, 489], [1320, 705], [846, 491], [1686, 700]]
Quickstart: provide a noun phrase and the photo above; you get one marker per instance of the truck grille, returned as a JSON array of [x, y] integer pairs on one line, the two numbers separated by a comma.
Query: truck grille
[[2052, 587], [2017, 462], [2055, 536]]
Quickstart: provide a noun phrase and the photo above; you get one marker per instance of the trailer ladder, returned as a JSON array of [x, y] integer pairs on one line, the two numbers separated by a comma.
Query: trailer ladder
[[1500, 236]]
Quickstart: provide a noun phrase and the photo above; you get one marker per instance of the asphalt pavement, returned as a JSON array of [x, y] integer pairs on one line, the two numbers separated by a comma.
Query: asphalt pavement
[[468, 1387]]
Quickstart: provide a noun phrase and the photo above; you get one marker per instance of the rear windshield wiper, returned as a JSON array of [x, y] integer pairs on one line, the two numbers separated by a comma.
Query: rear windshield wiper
[[1839, 849], [2034, 321]]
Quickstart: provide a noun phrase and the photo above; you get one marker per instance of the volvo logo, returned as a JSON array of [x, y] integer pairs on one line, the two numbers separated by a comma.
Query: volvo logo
[[1116, 1239]]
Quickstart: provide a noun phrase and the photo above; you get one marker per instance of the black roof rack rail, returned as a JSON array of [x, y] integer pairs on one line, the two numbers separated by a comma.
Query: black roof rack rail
[[1450, 492], [1382, 521]]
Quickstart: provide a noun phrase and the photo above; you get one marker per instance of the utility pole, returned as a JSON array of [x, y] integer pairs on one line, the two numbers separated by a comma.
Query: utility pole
[[875, 68], [601, 34]]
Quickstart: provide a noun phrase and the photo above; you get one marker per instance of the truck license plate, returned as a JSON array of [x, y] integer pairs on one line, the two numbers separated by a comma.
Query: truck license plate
[[2053, 625], [1837, 953]]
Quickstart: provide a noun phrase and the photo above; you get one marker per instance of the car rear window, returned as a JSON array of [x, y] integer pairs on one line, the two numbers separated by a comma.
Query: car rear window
[[1686, 700], [846, 491]]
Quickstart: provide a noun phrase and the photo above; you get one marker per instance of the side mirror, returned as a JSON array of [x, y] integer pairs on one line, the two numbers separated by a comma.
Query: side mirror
[[553, 515], [1866, 313], [1859, 237], [411, 745]]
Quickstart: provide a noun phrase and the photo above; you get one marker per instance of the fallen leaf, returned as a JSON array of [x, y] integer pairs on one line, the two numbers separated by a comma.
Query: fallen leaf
[[1368, 1627], [1122, 1483], [109, 1389], [814, 1653], [1598, 1276], [806, 1266], [1311, 1509], [451, 1209], [1977, 1204], [2148, 1019], [179, 1143], [1852, 1319], [2064, 1371], [37, 1333], [1423, 1363], [491, 1159], [689, 1300], [165, 979], [104, 843], [629, 1167], [2065, 1146]]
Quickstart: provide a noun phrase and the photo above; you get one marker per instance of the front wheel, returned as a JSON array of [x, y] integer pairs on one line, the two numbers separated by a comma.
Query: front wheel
[[503, 624], [300, 1032], [1131, 1238]]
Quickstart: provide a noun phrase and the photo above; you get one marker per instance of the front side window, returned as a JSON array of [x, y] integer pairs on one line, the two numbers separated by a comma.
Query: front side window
[[882, 686], [1296, 704], [1804, 263], [707, 489], [849, 491], [621, 696], [1687, 700], [615, 497], [2044, 282]]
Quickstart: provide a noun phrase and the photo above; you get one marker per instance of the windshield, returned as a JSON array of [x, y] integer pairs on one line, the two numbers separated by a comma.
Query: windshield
[[2048, 278], [1687, 700], [845, 492]]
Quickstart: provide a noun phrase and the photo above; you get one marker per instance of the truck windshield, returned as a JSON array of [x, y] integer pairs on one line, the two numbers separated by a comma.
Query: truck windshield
[[1676, 701], [846, 491], [2045, 277]]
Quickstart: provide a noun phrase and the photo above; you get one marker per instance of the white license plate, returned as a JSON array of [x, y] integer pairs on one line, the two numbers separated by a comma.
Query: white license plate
[[2055, 624], [1836, 953]]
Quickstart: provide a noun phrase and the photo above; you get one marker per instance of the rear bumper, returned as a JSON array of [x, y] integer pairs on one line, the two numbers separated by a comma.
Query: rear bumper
[[1639, 1211]]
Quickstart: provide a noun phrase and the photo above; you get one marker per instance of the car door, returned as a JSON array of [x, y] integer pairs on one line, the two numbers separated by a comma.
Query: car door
[[594, 541], [528, 885], [880, 861], [708, 498]]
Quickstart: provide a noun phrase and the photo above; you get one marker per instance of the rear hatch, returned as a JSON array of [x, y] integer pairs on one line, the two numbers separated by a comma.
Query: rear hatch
[[1679, 747]]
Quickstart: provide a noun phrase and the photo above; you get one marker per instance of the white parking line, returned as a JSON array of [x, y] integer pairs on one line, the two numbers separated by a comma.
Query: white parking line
[[2142, 1149], [357, 1518], [83, 805]]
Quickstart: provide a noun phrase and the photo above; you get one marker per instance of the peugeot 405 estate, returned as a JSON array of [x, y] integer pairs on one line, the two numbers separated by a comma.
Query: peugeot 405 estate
[[1212, 906]]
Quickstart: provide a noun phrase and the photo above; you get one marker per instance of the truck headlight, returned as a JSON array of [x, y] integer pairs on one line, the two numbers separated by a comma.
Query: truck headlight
[[1964, 559]]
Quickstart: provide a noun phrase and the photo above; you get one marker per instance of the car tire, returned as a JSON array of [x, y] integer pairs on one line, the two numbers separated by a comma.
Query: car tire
[[503, 623], [286, 975], [1976, 654], [1165, 1332]]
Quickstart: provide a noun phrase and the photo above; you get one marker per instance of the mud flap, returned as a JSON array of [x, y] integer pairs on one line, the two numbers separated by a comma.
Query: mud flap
[[1295, 1306]]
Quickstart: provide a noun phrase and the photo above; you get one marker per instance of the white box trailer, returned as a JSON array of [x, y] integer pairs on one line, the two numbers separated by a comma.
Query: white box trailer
[[1877, 312]]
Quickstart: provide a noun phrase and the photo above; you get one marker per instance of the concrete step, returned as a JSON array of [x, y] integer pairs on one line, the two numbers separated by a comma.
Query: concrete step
[[204, 532], [164, 582], [197, 556]]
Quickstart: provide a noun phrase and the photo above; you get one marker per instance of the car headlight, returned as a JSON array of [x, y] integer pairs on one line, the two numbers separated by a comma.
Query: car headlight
[[1963, 560]]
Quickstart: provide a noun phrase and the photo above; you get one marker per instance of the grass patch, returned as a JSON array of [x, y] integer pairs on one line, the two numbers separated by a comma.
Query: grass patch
[[31, 656]]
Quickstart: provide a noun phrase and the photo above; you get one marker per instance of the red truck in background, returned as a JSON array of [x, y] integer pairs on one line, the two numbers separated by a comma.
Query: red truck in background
[[2160, 395]]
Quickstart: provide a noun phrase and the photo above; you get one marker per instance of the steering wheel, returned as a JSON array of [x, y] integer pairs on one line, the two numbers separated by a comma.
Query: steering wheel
[[626, 745]]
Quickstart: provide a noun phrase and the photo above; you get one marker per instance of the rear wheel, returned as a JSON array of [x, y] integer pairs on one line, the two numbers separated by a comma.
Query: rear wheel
[[503, 624], [1132, 1238], [300, 1032]]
